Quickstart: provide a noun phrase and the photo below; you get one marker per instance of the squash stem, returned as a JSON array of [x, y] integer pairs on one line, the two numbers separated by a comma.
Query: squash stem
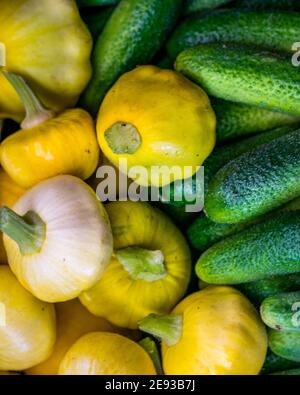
[[36, 113], [150, 347], [167, 328], [123, 138], [28, 231], [142, 264]]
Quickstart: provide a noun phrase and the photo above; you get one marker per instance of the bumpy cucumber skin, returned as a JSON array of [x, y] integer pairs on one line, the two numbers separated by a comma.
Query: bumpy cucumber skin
[[277, 311], [276, 31], [244, 75], [289, 5], [96, 20], [259, 290], [95, 3], [274, 363], [236, 120], [220, 157], [285, 344], [291, 372], [132, 35], [201, 5], [256, 182], [266, 249]]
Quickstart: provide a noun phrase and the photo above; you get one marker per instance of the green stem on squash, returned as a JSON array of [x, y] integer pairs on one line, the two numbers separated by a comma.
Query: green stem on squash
[[36, 113], [123, 138], [150, 347], [167, 328], [142, 264], [28, 231]]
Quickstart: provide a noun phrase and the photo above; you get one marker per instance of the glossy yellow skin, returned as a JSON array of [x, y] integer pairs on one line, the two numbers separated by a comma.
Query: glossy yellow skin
[[222, 335], [103, 353], [9, 194], [50, 47], [66, 144], [117, 296], [30, 331], [173, 116], [73, 321]]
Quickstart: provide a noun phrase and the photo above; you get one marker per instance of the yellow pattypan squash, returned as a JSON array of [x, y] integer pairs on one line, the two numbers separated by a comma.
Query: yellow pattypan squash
[[27, 325], [150, 269], [9, 194], [103, 353], [157, 119], [215, 331], [73, 321], [58, 238], [47, 43], [48, 145]]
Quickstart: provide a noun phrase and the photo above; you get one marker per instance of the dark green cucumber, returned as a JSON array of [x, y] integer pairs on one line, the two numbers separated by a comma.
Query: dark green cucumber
[[274, 363], [245, 75], [134, 33], [97, 19], [201, 5], [237, 120], [276, 31], [95, 3], [282, 311], [256, 182], [289, 5], [290, 372], [188, 191], [263, 250], [285, 344], [259, 290]]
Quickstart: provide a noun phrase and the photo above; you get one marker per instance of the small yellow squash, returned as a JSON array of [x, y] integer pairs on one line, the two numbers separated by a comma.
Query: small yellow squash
[[159, 120], [215, 331], [27, 325], [58, 238], [46, 42], [73, 321], [149, 271], [103, 353], [48, 145], [9, 194]]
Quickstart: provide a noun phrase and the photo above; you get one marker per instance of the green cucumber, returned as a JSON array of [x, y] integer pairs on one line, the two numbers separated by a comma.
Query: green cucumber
[[237, 120], [256, 182], [95, 3], [259, 290], [263, 250], [165, 62], [202, 5], [285, 344], [289, 5], [97, 19], [188, 191], [243, 74], [282, 311], [274, 363], [133, 34], [290, 372], [276, 31]]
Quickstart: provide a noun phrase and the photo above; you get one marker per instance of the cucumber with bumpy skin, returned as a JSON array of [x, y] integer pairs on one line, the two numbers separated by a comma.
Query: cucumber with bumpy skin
[[259, 290], [280, 311], [289, 5], [261, 251], [201, 5], [133, 34], [285, 344], [237, 120], [256, 182], [274, 363], [243, 74], [290, 372], [276, 31]]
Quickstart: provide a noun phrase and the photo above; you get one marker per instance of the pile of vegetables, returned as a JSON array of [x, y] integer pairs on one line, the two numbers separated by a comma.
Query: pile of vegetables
[[134, 287]]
